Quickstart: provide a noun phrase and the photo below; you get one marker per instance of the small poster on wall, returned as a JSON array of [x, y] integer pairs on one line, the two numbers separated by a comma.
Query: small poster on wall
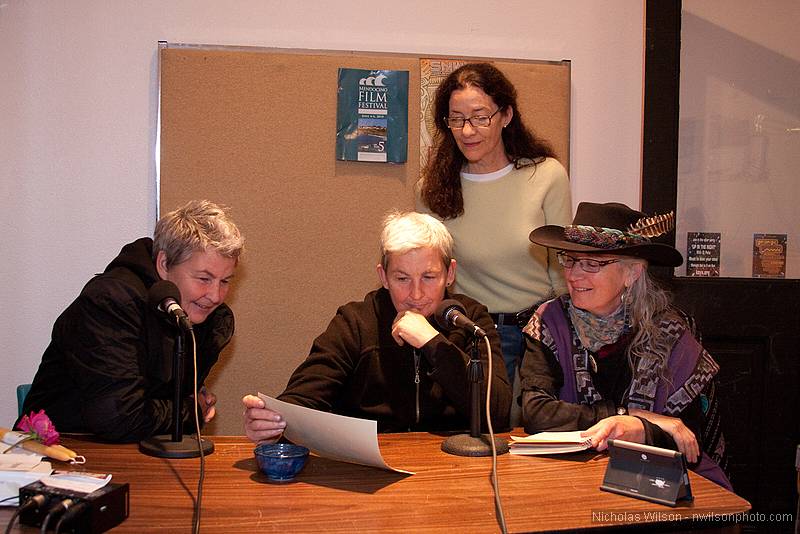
[[769, 255], [372, 115], [432, 74], [702, 253]]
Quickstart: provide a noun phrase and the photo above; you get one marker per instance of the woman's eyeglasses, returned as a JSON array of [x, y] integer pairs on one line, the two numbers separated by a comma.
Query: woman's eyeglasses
[[478, 121], [587, 265]]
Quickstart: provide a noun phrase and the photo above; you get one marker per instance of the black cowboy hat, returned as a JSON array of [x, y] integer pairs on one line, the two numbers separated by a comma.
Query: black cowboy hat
[[612, 228]]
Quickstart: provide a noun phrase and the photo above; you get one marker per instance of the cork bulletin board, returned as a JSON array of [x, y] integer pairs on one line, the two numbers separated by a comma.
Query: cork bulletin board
[[254, 129]]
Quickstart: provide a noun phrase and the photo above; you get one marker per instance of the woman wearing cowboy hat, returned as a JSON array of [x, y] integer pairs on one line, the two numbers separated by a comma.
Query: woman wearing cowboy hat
[[612, 357]]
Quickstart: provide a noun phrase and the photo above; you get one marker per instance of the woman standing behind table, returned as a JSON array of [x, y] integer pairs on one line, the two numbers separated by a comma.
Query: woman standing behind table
[[491, 180], [613, 357]]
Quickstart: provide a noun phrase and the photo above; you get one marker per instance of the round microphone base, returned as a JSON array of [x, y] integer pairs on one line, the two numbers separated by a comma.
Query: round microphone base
[[164, 447], [466, 445]]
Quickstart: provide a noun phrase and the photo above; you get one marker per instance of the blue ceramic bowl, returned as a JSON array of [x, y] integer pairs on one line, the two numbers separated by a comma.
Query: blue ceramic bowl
[[281, 462]]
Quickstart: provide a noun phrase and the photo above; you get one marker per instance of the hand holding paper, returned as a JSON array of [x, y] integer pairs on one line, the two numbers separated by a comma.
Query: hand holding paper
[[338, 437], [261, 425]]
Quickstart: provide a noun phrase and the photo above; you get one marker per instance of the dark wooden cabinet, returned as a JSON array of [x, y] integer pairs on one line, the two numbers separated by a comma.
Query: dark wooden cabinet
[[752, 328]]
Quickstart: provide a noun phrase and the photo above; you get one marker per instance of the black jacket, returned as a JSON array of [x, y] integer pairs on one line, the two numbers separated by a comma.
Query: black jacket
[[357, 369], [108, 370]]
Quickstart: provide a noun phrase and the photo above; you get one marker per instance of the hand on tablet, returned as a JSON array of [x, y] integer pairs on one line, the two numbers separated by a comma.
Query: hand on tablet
[[683, 436], [624, 427]]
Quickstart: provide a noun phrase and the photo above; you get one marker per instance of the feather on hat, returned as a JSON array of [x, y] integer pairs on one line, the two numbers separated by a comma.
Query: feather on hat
[[612, 228]]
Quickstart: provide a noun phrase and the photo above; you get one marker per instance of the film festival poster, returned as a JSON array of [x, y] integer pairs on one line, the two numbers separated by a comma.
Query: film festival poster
[[432, 74], [372, 115], [702, 253], [769, 255]]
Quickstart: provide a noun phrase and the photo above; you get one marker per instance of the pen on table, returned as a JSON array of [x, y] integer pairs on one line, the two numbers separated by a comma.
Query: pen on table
[[56, 452]]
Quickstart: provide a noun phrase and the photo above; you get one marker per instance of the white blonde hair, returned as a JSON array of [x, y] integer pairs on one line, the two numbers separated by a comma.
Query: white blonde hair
[[404, 231]]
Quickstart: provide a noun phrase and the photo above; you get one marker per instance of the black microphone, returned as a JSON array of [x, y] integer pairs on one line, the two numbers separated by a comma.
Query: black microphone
[[451, 314], [164, 296]]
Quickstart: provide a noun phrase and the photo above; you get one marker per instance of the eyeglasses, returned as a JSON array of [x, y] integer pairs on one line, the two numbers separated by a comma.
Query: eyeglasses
[[478, 121], [586, 264]]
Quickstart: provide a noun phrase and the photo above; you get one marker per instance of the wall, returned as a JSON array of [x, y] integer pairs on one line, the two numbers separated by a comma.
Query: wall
[[78, 117], [740, 128]]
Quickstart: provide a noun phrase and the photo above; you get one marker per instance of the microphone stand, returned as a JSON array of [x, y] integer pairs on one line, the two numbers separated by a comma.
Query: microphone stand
[[177, 445], [474, 443]]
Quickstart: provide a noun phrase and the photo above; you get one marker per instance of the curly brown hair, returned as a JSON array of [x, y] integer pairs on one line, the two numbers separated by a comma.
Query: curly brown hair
[[440, 183]]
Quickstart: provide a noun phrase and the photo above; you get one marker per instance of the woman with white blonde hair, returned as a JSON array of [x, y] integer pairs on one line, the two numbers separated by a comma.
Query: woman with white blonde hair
[[383, 358]]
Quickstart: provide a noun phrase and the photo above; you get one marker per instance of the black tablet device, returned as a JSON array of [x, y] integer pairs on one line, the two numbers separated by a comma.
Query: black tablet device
[[646, 472]]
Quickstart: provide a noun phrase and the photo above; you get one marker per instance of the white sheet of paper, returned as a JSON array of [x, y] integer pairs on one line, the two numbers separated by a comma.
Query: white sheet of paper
[[19, 462], [347, 439], [77, 481], [12, 481]]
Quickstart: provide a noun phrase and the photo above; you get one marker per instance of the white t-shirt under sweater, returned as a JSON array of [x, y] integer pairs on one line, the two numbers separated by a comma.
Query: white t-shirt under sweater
[[497, 264]]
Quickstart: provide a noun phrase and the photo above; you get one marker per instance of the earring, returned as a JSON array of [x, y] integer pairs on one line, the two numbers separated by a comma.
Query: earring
[[626, 310]]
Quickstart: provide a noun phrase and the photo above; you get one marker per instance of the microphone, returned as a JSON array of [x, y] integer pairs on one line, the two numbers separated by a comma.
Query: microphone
[[164, 296], [451, 314]]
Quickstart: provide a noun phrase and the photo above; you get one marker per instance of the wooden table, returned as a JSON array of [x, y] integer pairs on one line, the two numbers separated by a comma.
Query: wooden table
[[447, 493]]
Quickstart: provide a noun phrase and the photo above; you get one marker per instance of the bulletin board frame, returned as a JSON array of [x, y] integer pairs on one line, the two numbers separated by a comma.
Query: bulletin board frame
[[254, 129]]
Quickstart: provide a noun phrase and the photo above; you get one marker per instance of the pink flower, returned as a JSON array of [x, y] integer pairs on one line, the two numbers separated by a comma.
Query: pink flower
[[38, 426]]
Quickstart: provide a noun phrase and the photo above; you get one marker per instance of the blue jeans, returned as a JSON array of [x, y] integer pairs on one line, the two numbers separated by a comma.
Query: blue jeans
[[513, 347]]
